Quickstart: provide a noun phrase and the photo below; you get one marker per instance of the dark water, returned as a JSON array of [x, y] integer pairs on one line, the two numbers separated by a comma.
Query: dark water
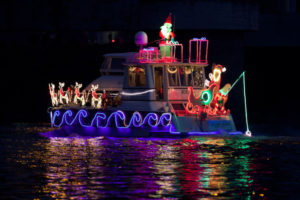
[[35, 167]]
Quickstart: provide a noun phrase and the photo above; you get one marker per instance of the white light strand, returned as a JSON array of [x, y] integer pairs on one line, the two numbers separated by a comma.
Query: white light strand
[[248, 132], [137, 93]]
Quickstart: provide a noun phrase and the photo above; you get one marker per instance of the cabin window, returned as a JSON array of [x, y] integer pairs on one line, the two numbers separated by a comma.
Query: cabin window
[[117, 63], [136, 76], [198, 76], [173, 75], [185, 74]]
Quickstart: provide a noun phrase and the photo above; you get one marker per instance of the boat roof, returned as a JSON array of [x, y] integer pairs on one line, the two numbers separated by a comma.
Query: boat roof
[[120, 55], [109, 83]]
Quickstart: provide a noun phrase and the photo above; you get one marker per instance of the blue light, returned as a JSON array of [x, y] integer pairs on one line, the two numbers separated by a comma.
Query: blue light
[[162, 123], [151, 119]]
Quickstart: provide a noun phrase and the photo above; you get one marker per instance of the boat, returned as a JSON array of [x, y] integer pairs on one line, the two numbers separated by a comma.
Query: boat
[[152, 92]]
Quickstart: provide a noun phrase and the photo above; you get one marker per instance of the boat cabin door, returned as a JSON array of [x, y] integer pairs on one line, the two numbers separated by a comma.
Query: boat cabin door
[[158, 83]]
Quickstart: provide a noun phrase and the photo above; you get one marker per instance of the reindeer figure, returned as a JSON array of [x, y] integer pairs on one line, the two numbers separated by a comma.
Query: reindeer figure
[[95, 97], [79, 96], [53, 94], [62, 94]]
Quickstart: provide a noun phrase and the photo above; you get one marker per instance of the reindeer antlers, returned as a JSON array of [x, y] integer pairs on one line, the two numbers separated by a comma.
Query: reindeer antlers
[[61, 84], [94, 87]]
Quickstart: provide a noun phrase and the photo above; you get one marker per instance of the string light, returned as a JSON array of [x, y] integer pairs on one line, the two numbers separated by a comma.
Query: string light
[[79, 96], [62, 93], [206, 97], [137, 93], [248, 132], [136, 120]]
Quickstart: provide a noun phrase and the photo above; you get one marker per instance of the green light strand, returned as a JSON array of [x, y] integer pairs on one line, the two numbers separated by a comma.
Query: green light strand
[[235, 82]]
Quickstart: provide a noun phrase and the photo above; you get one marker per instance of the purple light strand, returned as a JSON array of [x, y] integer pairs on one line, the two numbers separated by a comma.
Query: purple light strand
[[151, 119]]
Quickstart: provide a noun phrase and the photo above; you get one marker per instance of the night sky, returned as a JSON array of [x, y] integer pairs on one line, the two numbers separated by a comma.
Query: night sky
[[53, 41]]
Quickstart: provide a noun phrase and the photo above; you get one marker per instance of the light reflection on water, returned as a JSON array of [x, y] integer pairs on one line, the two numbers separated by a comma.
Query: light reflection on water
[[134, 168]]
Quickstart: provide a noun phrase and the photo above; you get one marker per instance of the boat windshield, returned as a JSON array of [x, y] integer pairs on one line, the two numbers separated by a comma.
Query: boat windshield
[[117, 63]]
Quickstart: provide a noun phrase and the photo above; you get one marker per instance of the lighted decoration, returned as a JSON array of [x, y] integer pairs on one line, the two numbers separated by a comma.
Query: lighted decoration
[[148, 55], [166, 34], [53, 94], [96, 100], [211, 100], [63, 95], [132, 69], [187, 70], [201, 50], [219, 95], [102, 120], [118, 120], [167, 40], [78, 95], [215, 76], [172, 69], [199, 104], [137, 93]]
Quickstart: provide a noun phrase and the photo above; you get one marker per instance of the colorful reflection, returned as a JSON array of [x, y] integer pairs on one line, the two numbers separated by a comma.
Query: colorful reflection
[[103, 167]]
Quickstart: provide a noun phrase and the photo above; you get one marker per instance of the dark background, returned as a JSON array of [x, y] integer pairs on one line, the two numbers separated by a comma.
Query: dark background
[[51, 41]]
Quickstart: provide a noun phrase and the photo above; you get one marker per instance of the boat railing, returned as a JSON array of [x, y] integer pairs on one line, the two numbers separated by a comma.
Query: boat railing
[[167, 53]]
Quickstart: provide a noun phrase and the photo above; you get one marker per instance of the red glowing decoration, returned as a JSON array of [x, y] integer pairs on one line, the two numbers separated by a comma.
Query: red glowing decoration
[[211, 100], [199, 104], [201, 50], [148, 55], [166, 34]]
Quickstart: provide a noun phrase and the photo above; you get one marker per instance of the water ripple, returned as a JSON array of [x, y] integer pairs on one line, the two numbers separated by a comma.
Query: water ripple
[[137, 168]]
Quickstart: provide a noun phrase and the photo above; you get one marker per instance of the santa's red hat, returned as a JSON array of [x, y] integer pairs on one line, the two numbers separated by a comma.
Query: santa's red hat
[[220, 67], [169, 20]]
